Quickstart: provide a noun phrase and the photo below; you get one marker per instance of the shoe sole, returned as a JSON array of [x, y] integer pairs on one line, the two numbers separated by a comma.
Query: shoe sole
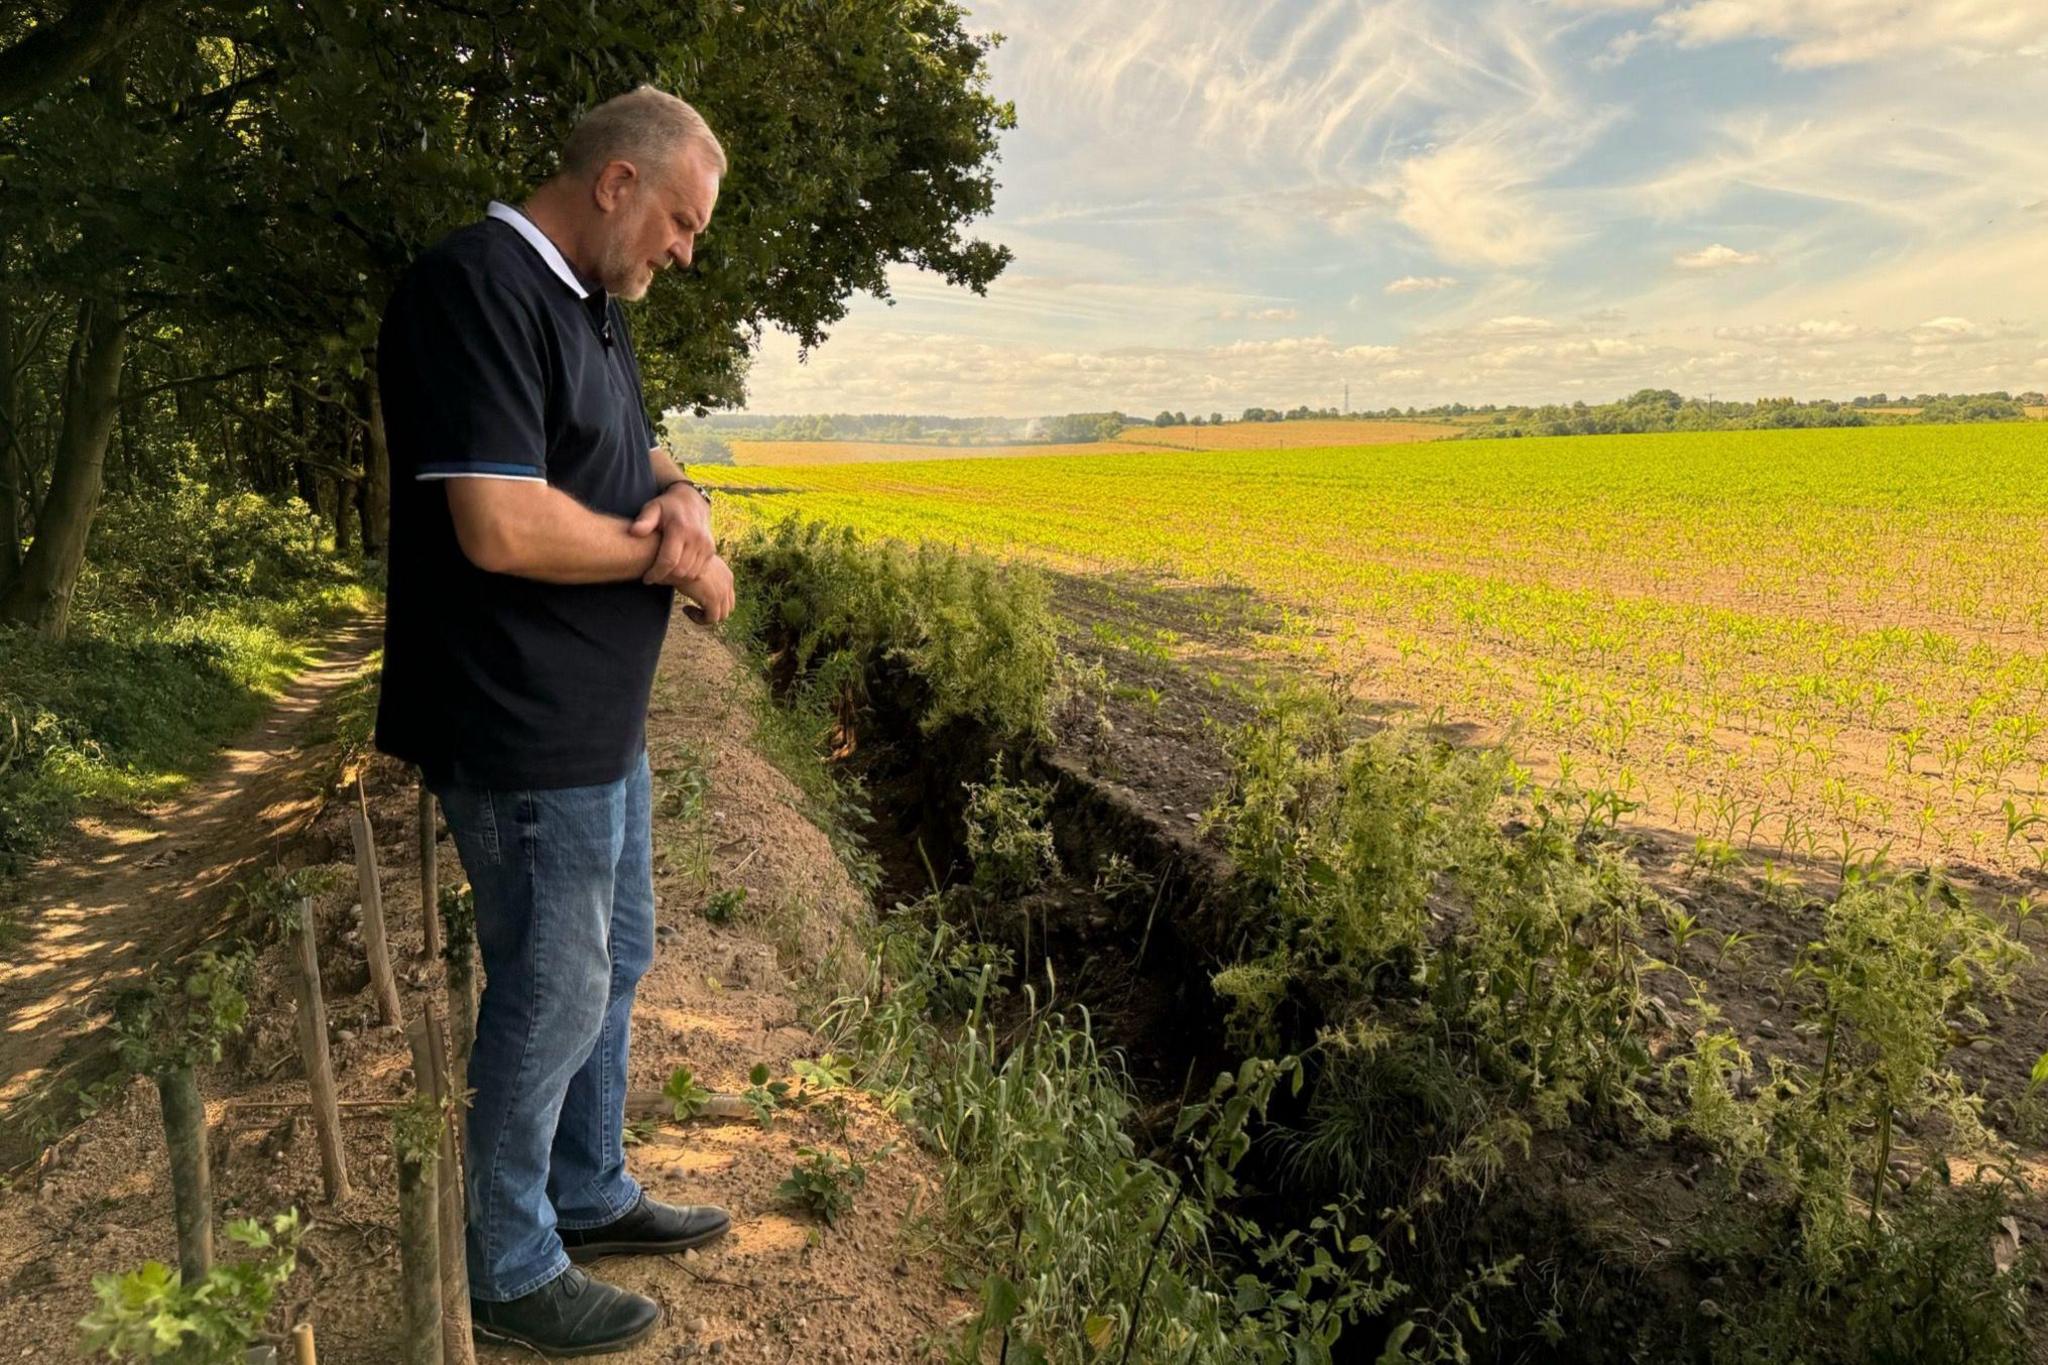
[[567, 1352], [592, 1251]]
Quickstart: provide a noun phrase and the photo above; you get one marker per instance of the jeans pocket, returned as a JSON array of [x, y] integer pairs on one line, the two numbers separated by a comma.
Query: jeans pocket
[[473, 819]]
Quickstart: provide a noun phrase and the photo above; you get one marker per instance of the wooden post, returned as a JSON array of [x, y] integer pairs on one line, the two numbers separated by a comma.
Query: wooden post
[[191, 1179], [430, 895], [313, 1052], [419, 1205], [457, 1347], [459, 910], [303, 1352], [382, 982], [419, 1254]]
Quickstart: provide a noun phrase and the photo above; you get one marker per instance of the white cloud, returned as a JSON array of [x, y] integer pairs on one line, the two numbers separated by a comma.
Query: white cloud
[[1716, 257], [1812, 332], [1822, 33], [1474, 204], [1259, 314], [1420, 284], [1514, 325], [1826, 33]]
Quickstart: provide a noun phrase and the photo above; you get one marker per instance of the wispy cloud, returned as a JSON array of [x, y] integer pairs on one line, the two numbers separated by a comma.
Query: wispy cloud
[[1420, 284], [1716, 257], [1232, 201]]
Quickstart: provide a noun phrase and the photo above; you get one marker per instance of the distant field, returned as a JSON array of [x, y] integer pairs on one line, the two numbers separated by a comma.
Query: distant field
[[2037, 413], [1229, 436], [866, 452], [1287, 435], [1826, 641]]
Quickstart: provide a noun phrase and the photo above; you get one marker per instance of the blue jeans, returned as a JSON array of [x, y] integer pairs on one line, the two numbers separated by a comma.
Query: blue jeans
[[564, 887]]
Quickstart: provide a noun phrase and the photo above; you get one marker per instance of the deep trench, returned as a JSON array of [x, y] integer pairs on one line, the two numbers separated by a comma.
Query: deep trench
[[1141, 966]]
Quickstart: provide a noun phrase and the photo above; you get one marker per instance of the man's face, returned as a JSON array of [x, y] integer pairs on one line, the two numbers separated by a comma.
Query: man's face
[[655, 223]]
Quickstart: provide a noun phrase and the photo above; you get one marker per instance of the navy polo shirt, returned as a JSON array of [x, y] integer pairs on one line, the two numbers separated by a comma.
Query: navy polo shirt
[[495, 362]]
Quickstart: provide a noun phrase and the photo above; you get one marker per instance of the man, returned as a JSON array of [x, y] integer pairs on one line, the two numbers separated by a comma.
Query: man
[[538, 535]]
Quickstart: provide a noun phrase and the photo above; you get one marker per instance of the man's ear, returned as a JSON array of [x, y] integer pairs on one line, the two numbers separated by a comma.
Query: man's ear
[[613, 184]]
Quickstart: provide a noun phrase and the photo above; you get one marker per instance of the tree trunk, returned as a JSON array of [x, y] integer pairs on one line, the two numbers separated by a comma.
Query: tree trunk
[[40, 594], [376, 471], [344, 517], [12, 464]]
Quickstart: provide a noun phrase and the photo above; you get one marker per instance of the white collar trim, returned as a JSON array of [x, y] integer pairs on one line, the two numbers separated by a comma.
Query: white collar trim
[[540, 242]]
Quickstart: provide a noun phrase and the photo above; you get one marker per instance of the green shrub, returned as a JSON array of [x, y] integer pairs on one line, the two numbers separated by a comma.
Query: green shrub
[[176, 548]]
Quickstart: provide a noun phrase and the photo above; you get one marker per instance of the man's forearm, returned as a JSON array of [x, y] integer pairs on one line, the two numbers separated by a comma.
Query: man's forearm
[[556, 539], [666, 470]]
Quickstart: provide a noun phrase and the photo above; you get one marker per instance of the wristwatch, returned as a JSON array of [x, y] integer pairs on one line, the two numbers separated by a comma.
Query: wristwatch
[[701, 491]]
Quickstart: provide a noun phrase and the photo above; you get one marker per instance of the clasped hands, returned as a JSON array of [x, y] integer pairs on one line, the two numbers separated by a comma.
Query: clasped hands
[[687, 557]]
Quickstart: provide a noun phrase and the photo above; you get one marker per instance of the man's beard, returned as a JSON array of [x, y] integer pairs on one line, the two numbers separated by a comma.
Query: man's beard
[[622, 275]]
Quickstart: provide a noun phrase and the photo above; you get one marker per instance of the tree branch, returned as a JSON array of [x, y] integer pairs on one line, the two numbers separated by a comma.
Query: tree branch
[[137, 395], [64, 49]]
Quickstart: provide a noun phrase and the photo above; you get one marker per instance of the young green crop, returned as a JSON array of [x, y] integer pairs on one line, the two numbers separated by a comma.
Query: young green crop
[[1806, 642]]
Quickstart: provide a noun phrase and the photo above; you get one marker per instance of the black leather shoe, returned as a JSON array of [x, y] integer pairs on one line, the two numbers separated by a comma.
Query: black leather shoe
[[570, 1315], [649, 1228]]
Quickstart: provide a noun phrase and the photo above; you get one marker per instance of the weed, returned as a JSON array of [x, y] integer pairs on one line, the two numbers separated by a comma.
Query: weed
[[723, 907], [686, 1097]]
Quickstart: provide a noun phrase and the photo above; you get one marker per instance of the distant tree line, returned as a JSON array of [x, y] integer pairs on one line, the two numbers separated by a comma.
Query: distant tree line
[[1665, 410]]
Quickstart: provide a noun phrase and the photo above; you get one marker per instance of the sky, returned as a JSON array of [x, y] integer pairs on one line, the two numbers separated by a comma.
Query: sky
[[1217, 204]]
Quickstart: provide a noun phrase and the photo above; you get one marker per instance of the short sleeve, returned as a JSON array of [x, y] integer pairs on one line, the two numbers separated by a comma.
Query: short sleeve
[[460, 365]]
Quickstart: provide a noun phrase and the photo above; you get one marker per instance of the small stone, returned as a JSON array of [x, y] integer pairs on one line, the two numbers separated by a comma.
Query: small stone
[[699, 1326], [1981, 1045], [1661, 1243]]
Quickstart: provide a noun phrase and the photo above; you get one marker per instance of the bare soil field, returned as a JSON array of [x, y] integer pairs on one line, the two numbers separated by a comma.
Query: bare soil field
[[1305, 435], [752, 453]]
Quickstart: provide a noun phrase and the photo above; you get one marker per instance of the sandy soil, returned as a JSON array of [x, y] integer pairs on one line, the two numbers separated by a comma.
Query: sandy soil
[[719, 999]]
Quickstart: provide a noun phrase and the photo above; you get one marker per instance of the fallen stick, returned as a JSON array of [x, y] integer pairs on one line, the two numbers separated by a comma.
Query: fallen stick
[[303, 1352]]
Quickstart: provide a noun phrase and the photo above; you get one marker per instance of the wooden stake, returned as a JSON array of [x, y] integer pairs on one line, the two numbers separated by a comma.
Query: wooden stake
[[191, 1179], [457, 1347], [430, 881], [313, 1053], [420, 1174], [419, 1254], [375, 945], [303, 1352]]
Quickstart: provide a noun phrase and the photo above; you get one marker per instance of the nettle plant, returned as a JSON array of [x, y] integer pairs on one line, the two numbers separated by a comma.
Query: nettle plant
[[1903, 965], [151, 1314], [1007, 834]]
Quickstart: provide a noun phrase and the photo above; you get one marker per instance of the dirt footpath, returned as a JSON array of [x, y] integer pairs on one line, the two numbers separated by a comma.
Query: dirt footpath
[[719, 999], [123, 891]]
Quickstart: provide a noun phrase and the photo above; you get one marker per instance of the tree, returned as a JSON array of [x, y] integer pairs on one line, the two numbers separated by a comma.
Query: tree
[[1165, 419], [241, 191]]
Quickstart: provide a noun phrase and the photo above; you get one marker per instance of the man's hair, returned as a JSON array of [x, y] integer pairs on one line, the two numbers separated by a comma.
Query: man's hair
[[648, 127]]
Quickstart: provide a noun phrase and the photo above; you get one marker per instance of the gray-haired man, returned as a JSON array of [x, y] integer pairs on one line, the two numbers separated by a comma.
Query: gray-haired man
[[538, 535]]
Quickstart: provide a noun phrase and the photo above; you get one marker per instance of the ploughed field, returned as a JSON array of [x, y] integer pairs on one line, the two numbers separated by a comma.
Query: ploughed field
[[1797, 647]]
